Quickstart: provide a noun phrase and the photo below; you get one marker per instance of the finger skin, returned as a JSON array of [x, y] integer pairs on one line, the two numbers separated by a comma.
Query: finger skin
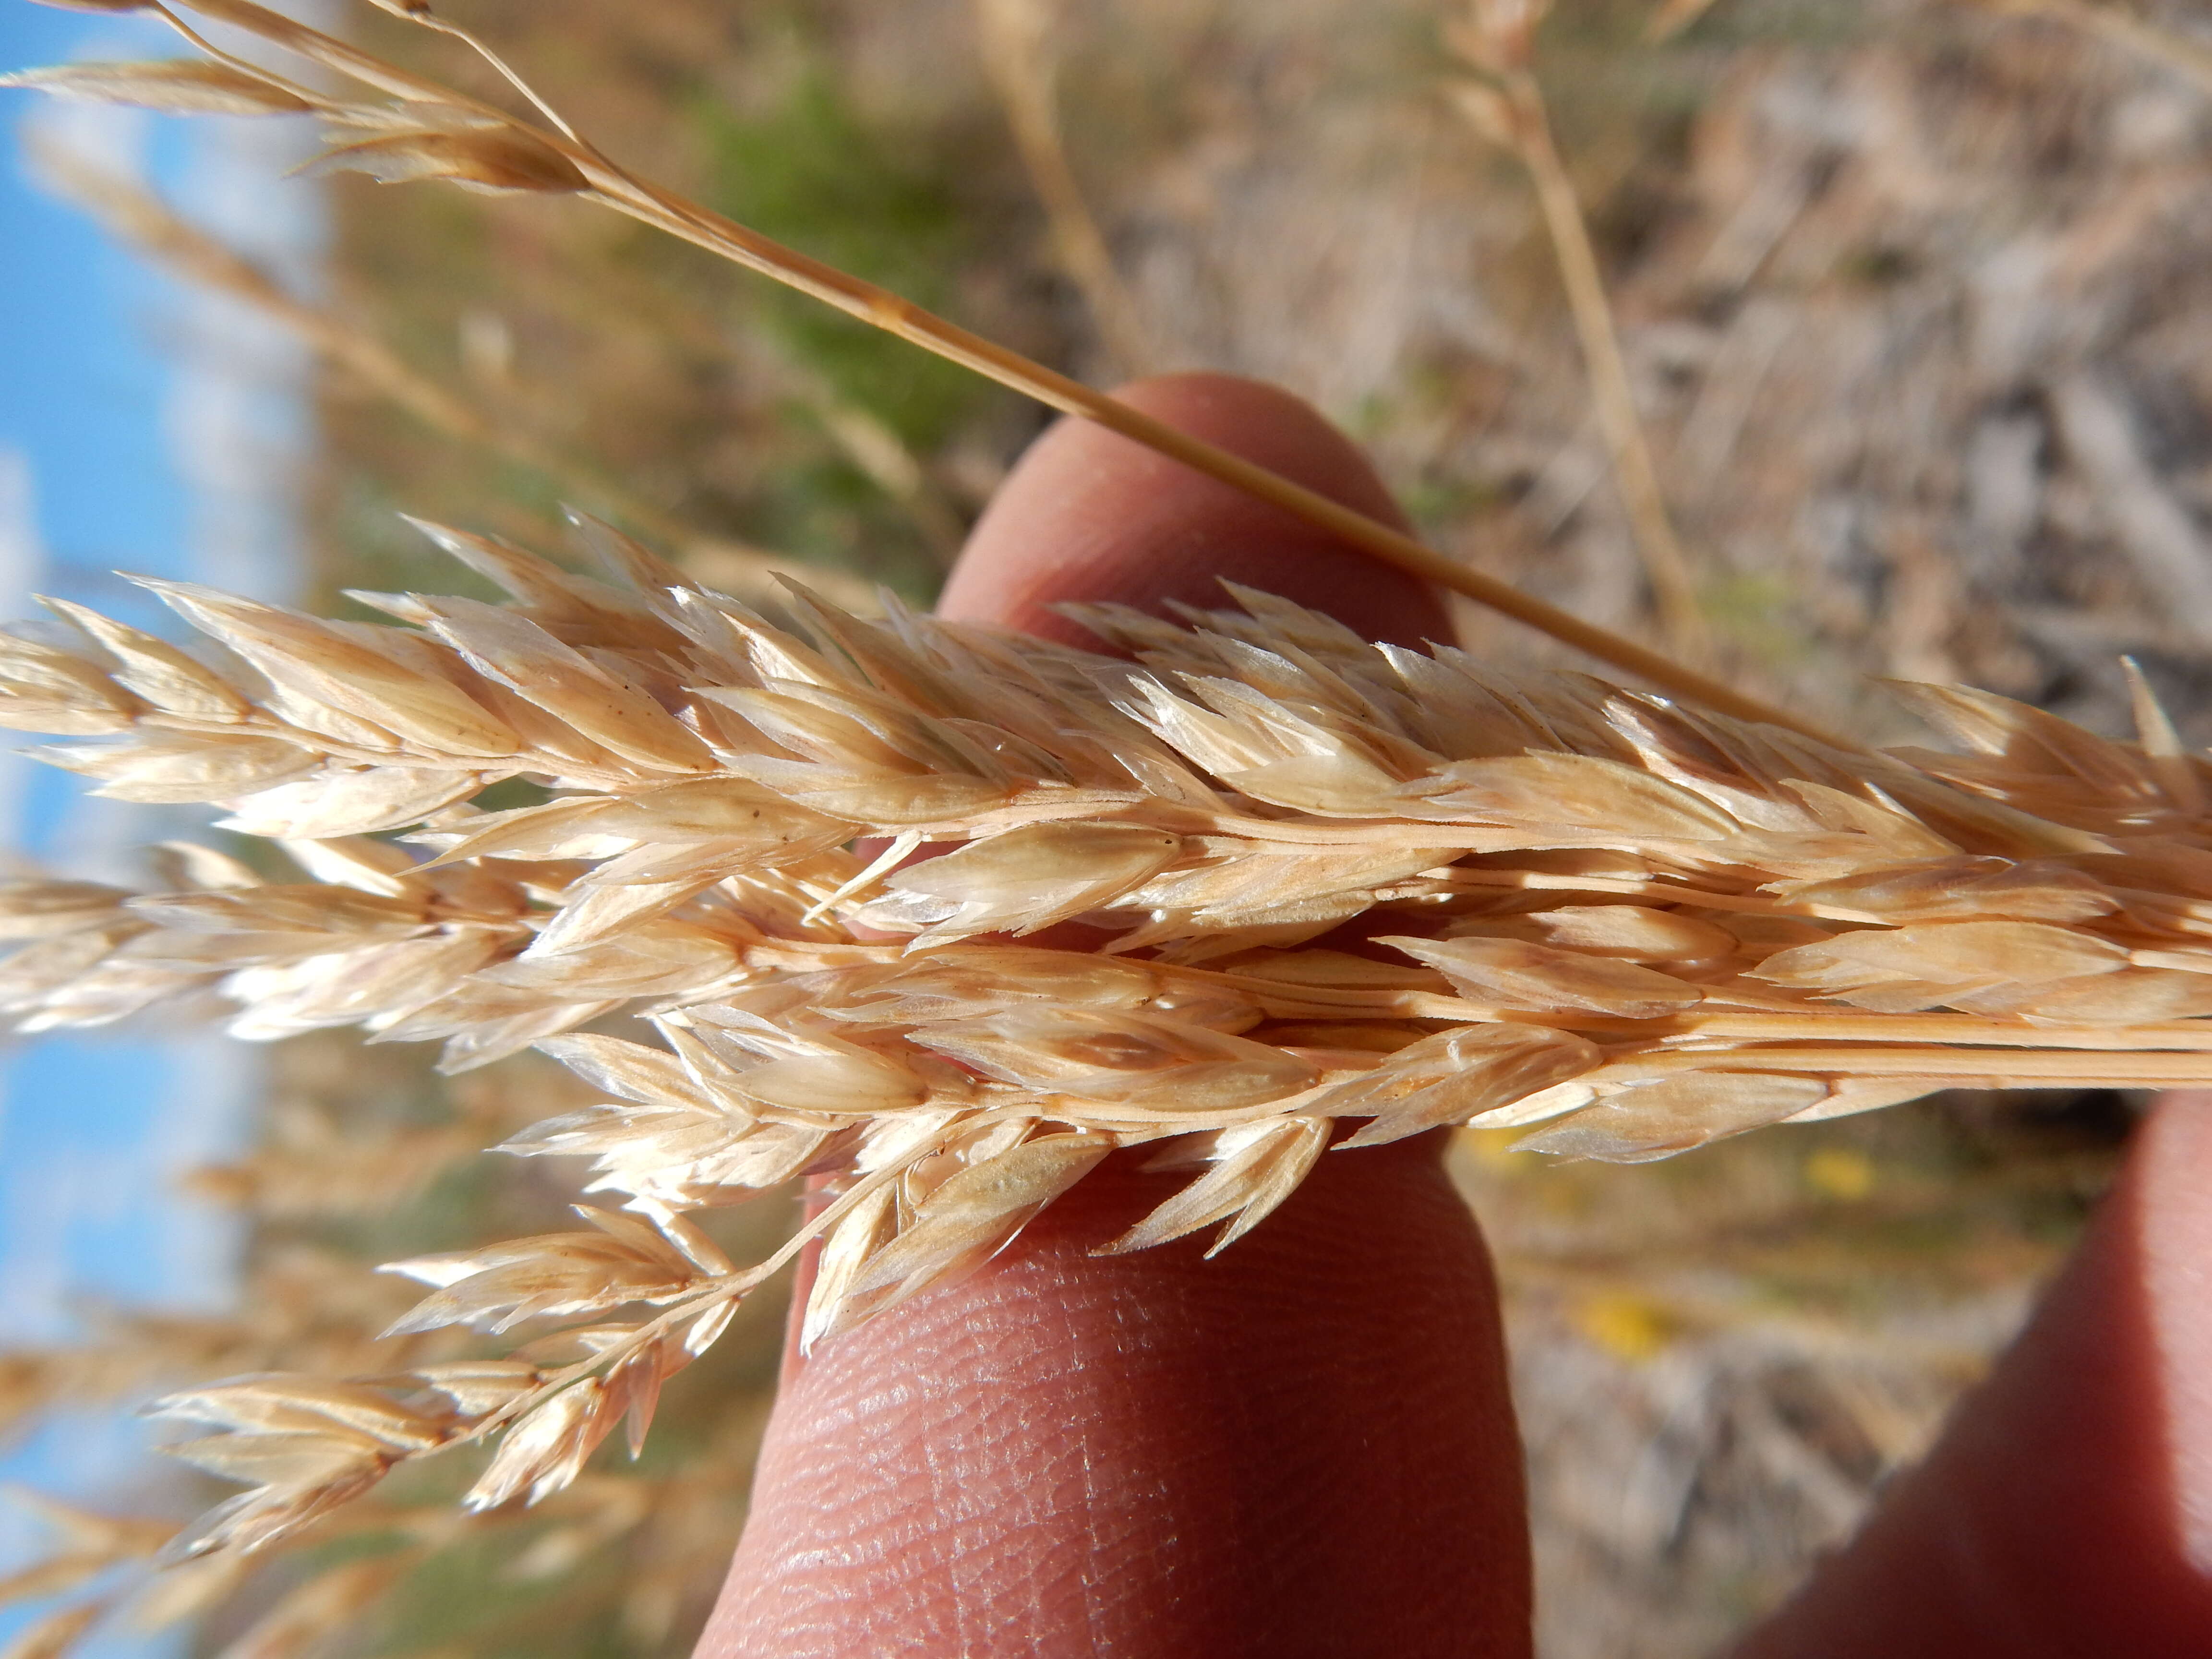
[[1092, 515], [2068, 1508], [1301, 1447]]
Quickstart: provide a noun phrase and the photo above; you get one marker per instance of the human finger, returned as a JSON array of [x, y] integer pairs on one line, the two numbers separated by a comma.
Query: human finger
[[1304, 1445], [2067, 1508]]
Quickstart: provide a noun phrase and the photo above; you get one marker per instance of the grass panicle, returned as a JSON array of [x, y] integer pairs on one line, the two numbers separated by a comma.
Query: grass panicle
[[1321, 891]]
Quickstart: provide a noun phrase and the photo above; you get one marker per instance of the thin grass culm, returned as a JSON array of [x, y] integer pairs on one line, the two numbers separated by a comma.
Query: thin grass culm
[[1625, 924], [1506, 103], [426, 131]]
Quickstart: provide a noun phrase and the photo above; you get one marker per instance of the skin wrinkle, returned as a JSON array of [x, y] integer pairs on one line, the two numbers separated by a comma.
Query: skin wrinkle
[[1108, 1536], [1303, 1446], [1095, 1623], [947, 1516]]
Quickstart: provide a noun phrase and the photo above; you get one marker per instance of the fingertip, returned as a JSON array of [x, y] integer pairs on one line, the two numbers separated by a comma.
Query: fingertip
[[2067, 1507], [1091, 515], [1302, 1445]]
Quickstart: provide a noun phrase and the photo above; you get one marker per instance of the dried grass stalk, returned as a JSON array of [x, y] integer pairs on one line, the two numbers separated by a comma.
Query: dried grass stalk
[[127, 208], [425, 131], [1507, 105], [1019, 55], [2121, 26]]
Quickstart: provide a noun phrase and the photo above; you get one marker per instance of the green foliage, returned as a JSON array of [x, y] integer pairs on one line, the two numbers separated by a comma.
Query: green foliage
[[810, 170]]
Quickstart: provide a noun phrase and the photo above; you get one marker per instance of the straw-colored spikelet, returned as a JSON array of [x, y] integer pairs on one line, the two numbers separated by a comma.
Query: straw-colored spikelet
[[1314, 890]]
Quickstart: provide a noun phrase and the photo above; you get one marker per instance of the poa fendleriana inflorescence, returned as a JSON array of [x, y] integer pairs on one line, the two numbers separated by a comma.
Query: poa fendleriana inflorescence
[[1632, 926], [1326, 894]]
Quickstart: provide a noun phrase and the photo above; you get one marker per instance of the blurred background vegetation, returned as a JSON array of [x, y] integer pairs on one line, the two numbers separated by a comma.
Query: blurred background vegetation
[[1911, 298]]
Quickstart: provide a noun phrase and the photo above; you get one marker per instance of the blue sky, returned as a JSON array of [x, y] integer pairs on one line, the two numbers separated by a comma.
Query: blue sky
[[130, 437]]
